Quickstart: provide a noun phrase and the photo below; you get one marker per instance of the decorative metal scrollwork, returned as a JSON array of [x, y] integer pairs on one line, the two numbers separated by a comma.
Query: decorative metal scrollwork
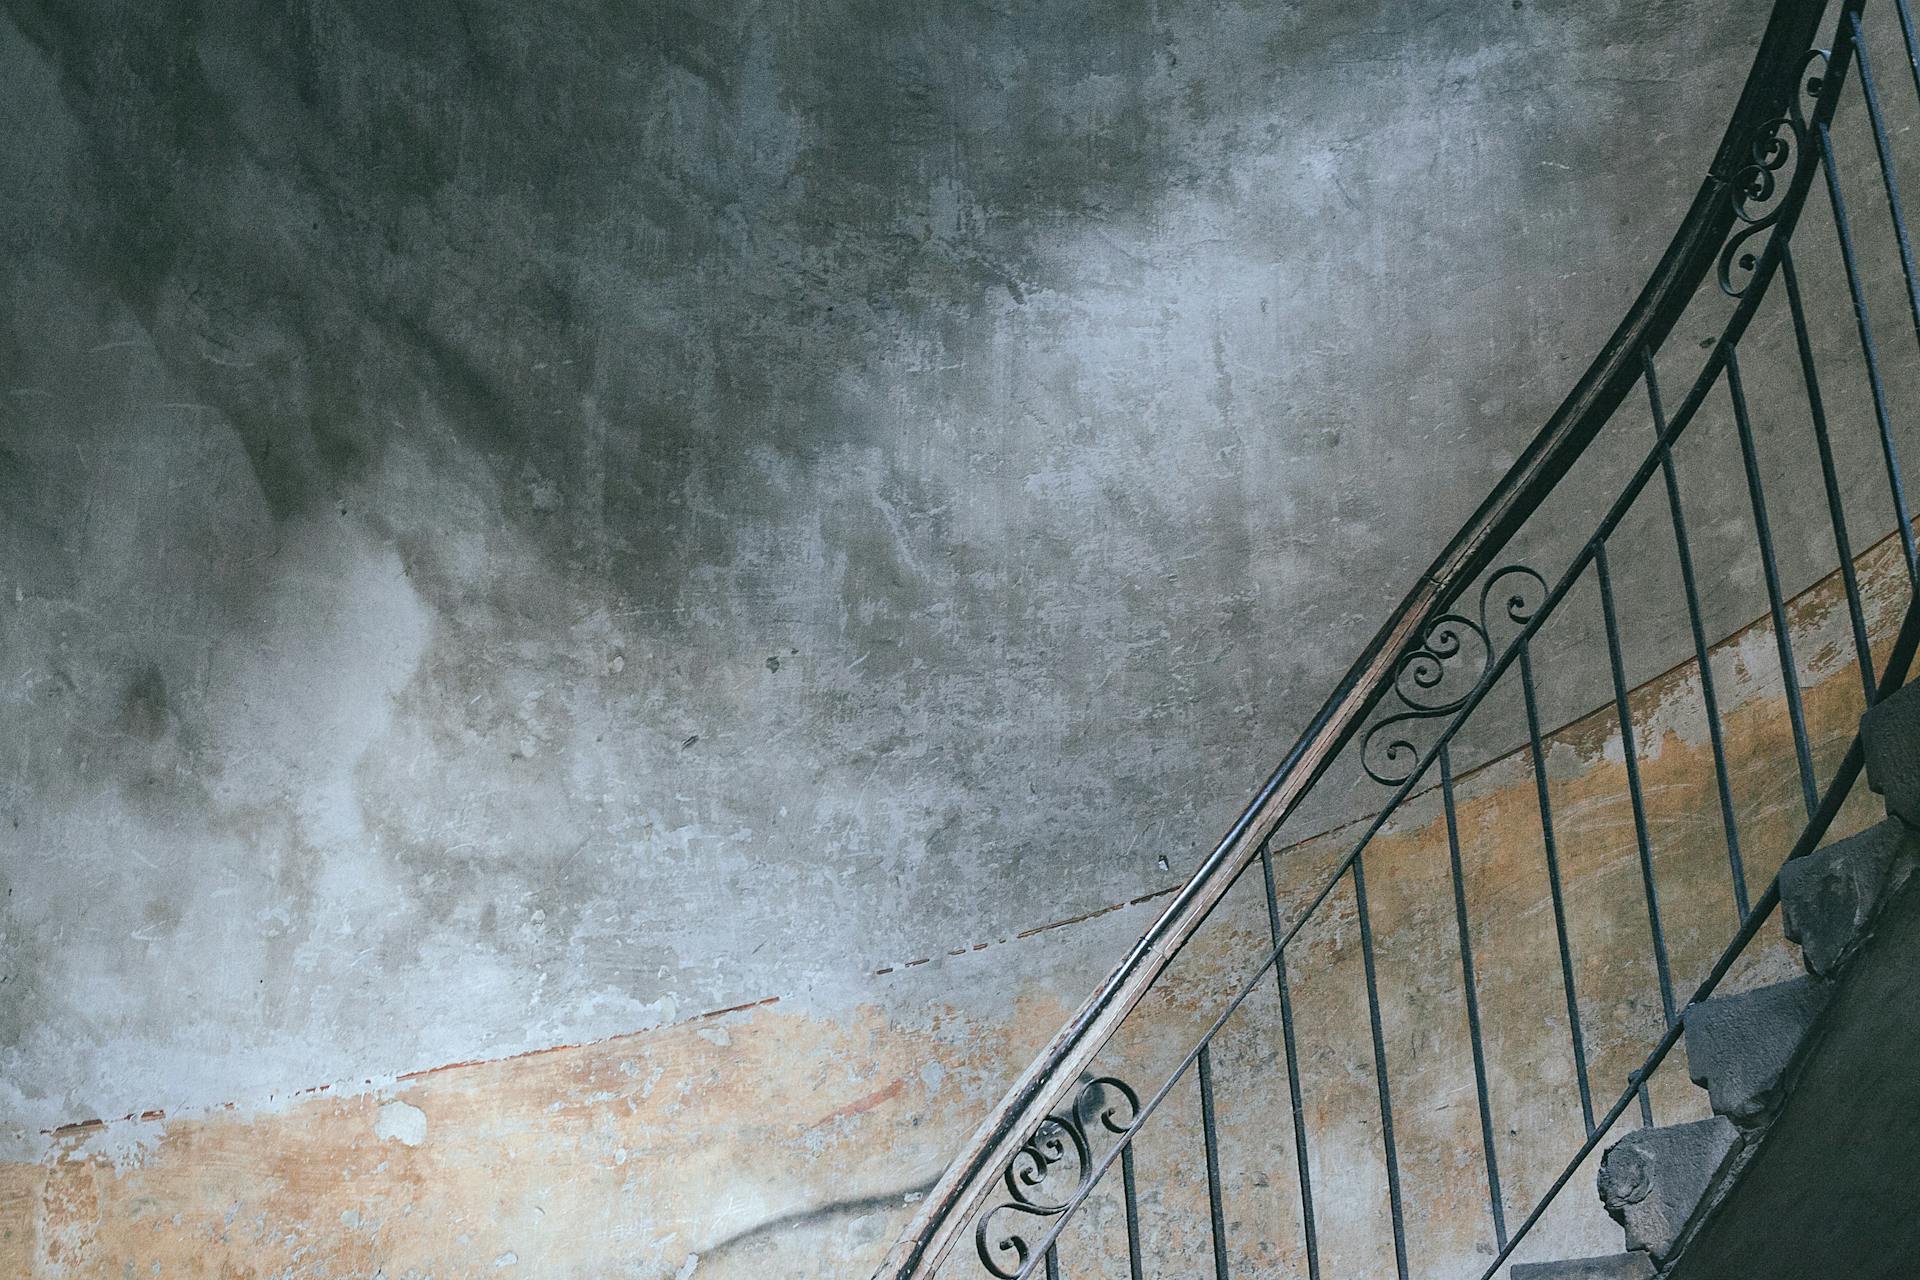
[[1047, 1174], [1755, 188], [1432, 679]]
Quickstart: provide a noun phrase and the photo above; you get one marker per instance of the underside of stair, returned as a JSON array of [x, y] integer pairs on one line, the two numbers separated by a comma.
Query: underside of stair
[[1615, 1266]]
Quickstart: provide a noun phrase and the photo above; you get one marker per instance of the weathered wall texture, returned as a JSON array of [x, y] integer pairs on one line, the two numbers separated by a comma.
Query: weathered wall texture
[[764, 1140], [522, 525], [526, 524]]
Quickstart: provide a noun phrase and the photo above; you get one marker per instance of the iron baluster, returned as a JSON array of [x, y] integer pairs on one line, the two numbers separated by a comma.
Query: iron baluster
[[1884, 150], [1380, 1068], [1708, 695], [1829, 477], [1216, 1215], [1132, 1197], [1551, 849], [1912, 43], [1843, 231], [1469, 985], [1293, 1067], [1776, 601], [1616, 662]]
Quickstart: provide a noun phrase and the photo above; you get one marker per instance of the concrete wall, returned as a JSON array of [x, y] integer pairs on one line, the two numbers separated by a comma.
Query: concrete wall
[[525, 527]]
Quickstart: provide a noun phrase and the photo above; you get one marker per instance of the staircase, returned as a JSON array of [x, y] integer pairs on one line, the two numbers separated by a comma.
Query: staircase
[[1100, 1160], [1750, 1051]]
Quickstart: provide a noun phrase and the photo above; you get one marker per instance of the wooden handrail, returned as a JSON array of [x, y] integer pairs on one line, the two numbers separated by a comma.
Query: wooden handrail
[[1688, 261]]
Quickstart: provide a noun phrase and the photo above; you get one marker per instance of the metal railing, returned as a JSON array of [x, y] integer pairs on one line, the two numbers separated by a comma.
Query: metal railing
[[1401, 710]]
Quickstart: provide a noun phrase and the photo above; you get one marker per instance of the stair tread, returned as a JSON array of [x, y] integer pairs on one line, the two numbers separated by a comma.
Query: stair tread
[[1652, 1181], [1740, 1046], [1828, 897]]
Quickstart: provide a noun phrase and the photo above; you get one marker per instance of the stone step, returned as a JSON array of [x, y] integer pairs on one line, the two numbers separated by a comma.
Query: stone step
[[1652, 1181], [1890, 733], [1739, 1046], [1828, 897], [1615, 1266]]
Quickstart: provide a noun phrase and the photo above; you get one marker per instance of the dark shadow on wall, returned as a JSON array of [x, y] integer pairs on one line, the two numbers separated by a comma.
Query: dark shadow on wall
[[628, 247], [620, 246]]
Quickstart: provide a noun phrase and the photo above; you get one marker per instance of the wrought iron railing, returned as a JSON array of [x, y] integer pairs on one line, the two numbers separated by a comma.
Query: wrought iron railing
[[1466, 643]]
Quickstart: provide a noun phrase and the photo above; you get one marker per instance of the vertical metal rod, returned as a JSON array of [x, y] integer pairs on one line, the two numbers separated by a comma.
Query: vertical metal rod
[[1631, 752], [1293, 1070], [1473, 1000], [1553, 884], [1053, 1262], [1214, 1210], [1133, 1211], [1776, 601], [1836, 508], [1882, 418], [1709, 696], [1380, 1067], [1913, 45], [1887, 178]]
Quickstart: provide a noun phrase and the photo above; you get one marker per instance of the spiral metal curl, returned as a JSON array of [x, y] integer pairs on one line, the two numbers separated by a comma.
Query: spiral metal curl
[[1061, 1142], [1388, 752], [1753, 188]]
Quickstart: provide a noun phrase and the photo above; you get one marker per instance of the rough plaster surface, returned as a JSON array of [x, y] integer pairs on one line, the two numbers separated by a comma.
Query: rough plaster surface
[[779, 1139], [526, 525]]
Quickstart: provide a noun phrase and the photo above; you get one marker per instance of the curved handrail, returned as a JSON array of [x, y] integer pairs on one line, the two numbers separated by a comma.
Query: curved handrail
[[1689, 259]]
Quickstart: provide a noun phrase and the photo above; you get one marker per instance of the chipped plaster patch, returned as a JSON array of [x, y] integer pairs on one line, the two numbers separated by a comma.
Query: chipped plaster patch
[[125, 1144], [401, 1122]]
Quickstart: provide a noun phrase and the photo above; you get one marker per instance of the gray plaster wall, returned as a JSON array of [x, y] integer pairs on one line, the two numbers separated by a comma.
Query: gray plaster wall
[[522, 522]]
